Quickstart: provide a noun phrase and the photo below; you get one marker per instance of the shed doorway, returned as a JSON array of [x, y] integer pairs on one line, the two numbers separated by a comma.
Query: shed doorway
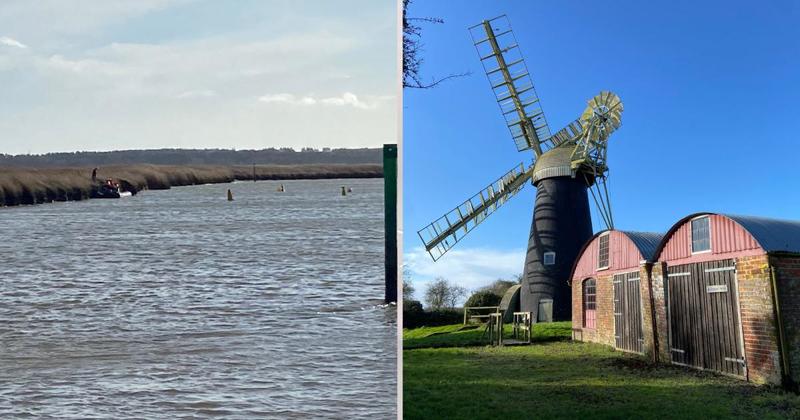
[[704, 328], [628, 313]]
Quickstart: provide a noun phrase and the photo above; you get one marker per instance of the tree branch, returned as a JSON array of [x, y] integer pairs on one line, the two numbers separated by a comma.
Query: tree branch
[[412, 51]]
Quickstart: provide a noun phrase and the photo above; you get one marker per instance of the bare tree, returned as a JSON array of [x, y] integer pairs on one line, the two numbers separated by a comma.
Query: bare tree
[[456, 293], [436, 293], [412, 51], [408, 288], [443, 294]]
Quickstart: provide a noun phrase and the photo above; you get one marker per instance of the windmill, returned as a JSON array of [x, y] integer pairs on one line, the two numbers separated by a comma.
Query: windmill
[[566, 167]]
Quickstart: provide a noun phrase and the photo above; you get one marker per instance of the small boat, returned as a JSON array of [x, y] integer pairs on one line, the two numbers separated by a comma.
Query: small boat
[[105, 191], [109, 189]]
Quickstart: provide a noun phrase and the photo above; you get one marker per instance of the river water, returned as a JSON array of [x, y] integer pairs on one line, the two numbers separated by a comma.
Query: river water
[[179, 303]]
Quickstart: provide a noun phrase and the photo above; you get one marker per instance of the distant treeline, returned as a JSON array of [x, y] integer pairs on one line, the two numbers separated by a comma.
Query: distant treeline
[[44, 185], [282, 156]]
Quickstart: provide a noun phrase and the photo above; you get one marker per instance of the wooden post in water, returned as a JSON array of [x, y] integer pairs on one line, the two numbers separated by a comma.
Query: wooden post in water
[[390, 219]]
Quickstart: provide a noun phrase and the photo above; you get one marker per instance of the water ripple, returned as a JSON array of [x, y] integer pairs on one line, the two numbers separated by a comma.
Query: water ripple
[[180, 304]]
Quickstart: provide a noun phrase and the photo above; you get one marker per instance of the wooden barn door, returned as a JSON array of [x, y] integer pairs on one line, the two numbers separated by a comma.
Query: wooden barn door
[[703, 316], [628, 312]]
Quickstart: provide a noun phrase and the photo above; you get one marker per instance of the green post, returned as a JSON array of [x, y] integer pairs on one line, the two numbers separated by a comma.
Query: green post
[[390, 219]]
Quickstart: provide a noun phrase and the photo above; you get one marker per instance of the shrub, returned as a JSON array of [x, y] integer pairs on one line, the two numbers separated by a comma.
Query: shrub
[[410, 305], [484, 298], [414, 316], [500, 286]]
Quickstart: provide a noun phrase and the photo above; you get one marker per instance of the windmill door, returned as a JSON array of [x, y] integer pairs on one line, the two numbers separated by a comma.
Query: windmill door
[[628, 313], [703, 317]]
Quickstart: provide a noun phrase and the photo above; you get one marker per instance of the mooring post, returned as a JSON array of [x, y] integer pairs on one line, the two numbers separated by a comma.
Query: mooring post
[[390, 219]]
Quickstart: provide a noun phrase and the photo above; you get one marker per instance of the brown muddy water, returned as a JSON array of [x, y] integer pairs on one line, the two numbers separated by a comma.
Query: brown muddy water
[[179, 303]]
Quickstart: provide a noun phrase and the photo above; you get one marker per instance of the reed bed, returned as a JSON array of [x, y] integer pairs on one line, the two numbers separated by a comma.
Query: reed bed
[[44, 185]]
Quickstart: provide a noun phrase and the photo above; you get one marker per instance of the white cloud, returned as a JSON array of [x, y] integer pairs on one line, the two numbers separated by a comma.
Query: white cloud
[[203, 93], [51, 18], [103, 78], [345, 99], [91, 66], [471, 268], [11, 42], [207, 61], [307, 100], [284, 98], [348, 98]]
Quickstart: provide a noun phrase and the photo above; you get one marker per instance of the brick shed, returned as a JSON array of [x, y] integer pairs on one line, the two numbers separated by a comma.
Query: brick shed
[[610, 284], [726, 293]]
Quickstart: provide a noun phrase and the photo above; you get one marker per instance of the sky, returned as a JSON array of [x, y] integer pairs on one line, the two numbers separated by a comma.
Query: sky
[[249, 74], [711, 102]]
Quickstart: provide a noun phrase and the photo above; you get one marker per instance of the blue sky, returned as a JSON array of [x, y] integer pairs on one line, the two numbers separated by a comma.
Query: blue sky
[[129, 74], [711, 93]]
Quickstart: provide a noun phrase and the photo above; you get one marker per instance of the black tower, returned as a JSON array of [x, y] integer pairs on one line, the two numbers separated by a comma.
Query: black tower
[[561, 225]]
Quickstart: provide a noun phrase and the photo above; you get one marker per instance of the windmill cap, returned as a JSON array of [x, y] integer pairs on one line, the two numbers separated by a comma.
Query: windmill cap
[[553, 163]]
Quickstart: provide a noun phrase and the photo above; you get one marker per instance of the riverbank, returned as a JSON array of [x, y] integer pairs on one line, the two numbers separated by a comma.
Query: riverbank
[[43, 185], [447, 373]]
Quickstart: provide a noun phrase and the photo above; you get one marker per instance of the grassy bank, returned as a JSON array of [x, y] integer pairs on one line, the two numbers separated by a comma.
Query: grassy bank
[[34, 186], [459, 336], [445, 376]]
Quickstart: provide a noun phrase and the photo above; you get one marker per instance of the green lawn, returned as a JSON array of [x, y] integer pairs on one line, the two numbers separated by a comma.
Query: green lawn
[[460, 336], [450, 374]]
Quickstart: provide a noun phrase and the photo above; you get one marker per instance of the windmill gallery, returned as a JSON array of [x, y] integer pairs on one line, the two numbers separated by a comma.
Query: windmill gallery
[[716, 292]]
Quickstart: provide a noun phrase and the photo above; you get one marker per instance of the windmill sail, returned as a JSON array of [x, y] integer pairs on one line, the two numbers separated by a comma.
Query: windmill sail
[[511, 83], [443, 233], [568, 133]]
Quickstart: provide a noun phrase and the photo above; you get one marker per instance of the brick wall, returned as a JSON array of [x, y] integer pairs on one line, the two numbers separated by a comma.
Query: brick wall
[[788, 279], [604, 331], [657, 274], [647, 314], [758, 319], [577, 313]]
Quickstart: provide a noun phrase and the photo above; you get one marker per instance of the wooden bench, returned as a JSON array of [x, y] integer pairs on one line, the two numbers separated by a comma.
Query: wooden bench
[[523, 326], [495, 329], [480, 316]]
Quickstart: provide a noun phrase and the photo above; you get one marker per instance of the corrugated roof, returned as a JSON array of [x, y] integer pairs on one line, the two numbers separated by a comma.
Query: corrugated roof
[[647, 242], [774, 235]]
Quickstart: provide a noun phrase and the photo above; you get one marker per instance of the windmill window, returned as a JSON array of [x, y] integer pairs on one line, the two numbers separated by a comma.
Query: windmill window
[[602, 252], [589, 304], [701, 235], [549, 258]]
